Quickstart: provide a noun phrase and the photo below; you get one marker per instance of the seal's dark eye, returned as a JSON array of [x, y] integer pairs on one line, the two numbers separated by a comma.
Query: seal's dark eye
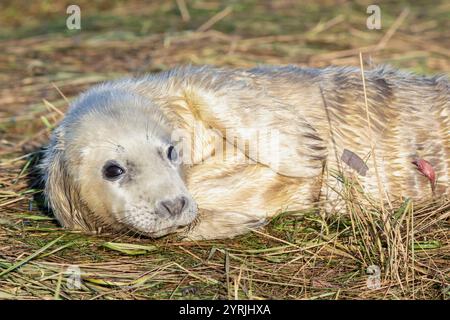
[[172, 154], [112, 171]]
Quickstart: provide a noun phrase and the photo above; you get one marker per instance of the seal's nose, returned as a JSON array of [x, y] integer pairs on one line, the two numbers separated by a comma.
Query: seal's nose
[[173, 207]]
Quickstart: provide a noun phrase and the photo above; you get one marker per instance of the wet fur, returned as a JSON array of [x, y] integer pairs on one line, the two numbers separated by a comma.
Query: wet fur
[[318, 112]]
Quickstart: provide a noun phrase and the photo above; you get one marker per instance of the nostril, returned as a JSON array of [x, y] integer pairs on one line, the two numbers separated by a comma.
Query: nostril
[[184, 203], [167, 206], [174, 207]]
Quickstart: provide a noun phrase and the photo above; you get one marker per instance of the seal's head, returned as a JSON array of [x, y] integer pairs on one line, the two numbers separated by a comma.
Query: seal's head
[[111, 165]]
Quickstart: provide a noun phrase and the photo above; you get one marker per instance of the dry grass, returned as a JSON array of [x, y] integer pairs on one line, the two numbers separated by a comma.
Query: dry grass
[[300, 254]]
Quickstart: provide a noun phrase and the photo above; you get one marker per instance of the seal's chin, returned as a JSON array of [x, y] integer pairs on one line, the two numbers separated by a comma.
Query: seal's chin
[[165, 231], [179, 227]]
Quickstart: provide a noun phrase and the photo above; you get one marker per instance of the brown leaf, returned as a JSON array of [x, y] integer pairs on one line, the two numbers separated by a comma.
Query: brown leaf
[[354, 161]]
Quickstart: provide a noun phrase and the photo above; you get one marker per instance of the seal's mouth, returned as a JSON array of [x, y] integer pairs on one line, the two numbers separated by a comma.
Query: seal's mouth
[[175, 228]]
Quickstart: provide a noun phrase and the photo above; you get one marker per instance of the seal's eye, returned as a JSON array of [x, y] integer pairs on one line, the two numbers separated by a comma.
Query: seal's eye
[[172, 154], [112, 171]]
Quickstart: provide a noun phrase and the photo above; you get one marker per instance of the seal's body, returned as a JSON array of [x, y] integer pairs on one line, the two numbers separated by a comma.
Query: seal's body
[[110, 165]]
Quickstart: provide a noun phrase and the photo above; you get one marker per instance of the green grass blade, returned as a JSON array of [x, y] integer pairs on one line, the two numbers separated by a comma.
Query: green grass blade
[[30, 257]]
